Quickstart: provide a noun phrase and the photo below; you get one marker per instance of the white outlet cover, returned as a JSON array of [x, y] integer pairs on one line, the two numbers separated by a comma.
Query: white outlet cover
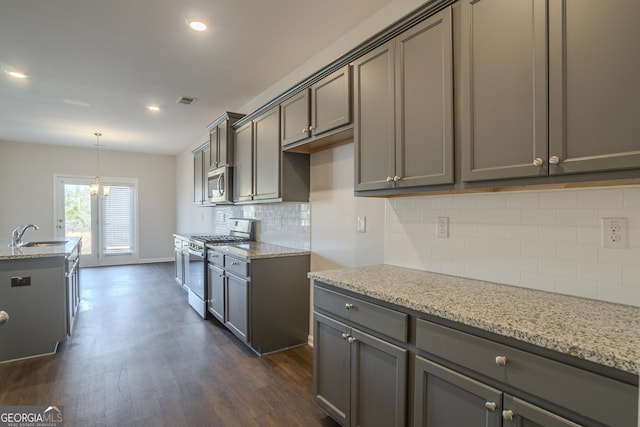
[[615, 233], [442, 227]]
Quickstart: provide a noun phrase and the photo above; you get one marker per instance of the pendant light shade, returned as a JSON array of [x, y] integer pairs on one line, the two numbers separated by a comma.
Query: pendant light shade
[[94, 188]]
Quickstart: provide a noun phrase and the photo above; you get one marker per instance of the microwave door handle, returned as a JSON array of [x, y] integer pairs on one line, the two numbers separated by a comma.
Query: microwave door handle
[[220, 189]]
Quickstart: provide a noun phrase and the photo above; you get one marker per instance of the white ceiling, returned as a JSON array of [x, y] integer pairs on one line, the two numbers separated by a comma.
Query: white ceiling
[[93, 65]]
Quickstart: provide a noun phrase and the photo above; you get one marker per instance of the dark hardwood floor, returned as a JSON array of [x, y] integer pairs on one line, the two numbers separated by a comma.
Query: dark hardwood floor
[[140, 356]]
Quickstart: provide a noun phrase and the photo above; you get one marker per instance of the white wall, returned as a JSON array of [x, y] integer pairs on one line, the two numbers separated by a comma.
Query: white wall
[[27, 184]]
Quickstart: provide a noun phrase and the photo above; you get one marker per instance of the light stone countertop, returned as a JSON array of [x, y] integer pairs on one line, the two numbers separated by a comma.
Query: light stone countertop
[[9, 252], [600, 332], [257, 250]]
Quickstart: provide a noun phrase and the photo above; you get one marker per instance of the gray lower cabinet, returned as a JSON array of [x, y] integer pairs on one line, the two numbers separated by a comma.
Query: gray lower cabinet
[[443, 397], [262, 172], [551, 393], [263, 301], [403, 108], [360, 378], [458, 379]]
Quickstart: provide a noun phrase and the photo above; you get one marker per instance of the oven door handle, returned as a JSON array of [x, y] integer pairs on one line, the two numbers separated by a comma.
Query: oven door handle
[[196, 253]]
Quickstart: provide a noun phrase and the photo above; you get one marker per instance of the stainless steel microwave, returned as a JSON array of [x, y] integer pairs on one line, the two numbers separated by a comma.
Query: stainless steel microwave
[[219, 185]]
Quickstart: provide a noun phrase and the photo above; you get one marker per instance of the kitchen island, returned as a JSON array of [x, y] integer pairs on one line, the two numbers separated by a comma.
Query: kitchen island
[[40, 291], [494, 350]]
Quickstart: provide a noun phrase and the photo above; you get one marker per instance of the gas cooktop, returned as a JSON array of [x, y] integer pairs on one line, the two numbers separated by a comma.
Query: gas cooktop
[[220, 238]]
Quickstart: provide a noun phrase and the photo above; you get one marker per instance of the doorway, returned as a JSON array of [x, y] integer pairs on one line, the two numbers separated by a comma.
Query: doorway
[[107, 223]]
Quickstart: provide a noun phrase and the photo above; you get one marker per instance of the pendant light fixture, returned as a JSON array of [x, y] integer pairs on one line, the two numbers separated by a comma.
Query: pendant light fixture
[[94, 188]]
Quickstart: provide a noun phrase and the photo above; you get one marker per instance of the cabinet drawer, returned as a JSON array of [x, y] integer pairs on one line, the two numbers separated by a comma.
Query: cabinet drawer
[[597, 397], [236, 265], [389, 322], [216, 258]]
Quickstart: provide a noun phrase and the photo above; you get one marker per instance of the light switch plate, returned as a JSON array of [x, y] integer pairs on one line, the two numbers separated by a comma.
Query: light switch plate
[[442, 227], [361, 226]]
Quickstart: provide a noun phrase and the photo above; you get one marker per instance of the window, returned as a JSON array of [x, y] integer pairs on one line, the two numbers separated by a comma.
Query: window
[[118, 219]]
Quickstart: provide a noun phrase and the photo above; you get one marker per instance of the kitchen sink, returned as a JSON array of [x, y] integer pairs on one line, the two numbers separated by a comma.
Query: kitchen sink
[[43, 243]]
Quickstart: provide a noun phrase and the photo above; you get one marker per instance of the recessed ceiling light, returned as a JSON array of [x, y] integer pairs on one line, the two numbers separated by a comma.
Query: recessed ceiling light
[[153, 108], [198, 26], [16, 74]]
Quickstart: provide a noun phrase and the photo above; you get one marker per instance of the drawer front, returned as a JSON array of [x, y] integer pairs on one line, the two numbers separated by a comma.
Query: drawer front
[[216, 258], [597, 397], [388, 322], [236, 265]]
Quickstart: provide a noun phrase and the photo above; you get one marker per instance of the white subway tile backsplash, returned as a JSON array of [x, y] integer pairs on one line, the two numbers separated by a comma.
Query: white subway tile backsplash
[[548, 240], [559, 199], [540, 216], [601, 198]]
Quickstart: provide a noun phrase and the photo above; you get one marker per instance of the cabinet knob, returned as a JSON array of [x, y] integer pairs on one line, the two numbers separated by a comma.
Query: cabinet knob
[[4, 317], [351, 340], [554, 160], [234, 263], [507, 415], [501, 360], [310, 127], [304, 130], [348, 306], [491, 406], [538, 162], [389, 179], [396, 178], [345, 335]]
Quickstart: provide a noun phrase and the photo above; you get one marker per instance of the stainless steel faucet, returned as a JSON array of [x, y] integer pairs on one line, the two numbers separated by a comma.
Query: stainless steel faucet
[[18, 232]]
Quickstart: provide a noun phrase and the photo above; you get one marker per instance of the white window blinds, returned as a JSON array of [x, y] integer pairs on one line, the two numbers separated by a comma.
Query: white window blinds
[[118, 216]]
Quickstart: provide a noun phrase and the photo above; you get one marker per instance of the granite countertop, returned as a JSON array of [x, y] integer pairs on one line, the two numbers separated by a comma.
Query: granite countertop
[[10, 252], [600, 332], [257, 250]]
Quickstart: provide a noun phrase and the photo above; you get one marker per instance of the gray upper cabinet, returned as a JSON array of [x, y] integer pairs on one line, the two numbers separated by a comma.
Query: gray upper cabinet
[[201, 158], [243, 163], [524, 115], [504, 88], [403, 109], [318, 110], [266, 152], [221, 139], [262, 172], [594, 91]]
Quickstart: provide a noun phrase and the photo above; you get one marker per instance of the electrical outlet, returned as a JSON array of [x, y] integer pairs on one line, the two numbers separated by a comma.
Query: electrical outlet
[[615, 233], [442, 227], [361, 226]]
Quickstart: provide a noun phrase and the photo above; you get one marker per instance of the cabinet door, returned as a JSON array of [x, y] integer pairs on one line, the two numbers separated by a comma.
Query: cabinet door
[[332, 367], [523, 414], [237, 306], [179, 266], [444, 398], [214, 148], [504, 88], [267, 154], [198, 178], [331, 102], [215, 280], [295, 118], [424, 103], [379, 381], [374, 128], [594, 90], [225, 146], [243, 165]]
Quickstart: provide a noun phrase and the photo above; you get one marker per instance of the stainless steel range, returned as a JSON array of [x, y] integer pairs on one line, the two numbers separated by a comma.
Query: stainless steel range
[[240, 230]]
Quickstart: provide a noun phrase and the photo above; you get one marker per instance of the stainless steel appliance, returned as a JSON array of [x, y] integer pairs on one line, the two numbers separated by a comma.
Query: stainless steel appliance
[[219, 185], [240, 230]]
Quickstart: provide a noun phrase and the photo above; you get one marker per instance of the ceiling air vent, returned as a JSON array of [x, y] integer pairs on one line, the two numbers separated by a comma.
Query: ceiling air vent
[[186, 100]]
